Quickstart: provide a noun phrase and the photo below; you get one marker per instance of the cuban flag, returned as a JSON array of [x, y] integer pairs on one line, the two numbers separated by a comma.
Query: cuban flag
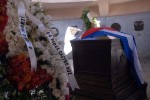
[[128, 45]]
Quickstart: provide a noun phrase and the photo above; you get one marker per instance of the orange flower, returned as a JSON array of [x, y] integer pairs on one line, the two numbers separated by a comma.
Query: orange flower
[[19, 73]]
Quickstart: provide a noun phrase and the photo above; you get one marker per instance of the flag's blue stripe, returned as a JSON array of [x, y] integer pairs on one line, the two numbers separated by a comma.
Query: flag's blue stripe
[[126, 48]]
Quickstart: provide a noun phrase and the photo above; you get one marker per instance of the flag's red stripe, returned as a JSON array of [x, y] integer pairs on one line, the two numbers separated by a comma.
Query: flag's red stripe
[[92, 30]]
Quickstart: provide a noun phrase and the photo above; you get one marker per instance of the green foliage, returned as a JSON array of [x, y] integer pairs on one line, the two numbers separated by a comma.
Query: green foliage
[[85, 19]]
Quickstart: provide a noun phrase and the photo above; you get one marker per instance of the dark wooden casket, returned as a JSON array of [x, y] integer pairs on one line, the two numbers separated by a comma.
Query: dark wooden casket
[[102, 71]]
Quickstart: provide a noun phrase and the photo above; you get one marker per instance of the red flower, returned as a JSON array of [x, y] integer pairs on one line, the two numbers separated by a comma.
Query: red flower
[[3, 2], [3, 22], [3, 16], [19, 73], [3, 44]]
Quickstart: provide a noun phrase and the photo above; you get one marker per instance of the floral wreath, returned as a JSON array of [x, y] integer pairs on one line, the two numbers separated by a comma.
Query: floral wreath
[[88, 20], [17, 81]]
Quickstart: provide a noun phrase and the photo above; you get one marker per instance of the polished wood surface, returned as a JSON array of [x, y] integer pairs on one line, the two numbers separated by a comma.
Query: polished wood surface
[[103, 72]]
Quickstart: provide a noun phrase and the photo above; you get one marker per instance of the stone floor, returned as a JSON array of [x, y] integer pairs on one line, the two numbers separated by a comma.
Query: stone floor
[[145, 63]]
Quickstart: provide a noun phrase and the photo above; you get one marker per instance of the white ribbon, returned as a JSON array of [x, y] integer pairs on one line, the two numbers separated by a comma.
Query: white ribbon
[[90, 17], [22, 23], [72, 81]]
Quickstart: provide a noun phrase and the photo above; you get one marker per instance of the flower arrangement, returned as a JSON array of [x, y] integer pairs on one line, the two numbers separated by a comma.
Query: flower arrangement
[[17, 81]]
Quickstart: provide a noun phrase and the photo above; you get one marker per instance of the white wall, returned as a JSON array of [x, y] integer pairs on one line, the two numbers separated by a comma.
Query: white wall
[[127, 26]]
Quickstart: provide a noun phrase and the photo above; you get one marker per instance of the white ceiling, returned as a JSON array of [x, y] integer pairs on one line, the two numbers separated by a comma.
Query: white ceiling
[[68, 4], [66, 9], [121, 1], [53, 4]]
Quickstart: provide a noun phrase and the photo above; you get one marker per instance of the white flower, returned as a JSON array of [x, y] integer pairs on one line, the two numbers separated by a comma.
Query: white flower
[[62, 98], [38, 32], [63, 78], [56, 72], [18, 39], [65, 90], [12, 46], [48, 17], [40, 15], [12, 26], [33, 9], [38, 45], [11, 54], [45, 56], [9, 21], [33, 25], [28, 28], [53, 84], [46, 21], [20, 47], [9, 12], [49, 69], [40, 92], [15, 2], [59, 63], [56, 93], [54, 59], [27, 3], [6, 95], [9, 37], [16, 30]]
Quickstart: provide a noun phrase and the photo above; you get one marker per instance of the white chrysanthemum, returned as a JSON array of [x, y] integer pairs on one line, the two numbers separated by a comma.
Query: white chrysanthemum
[[10, 37], [7, 30], [53, 84], [15, 3], [54, 59], [27, 3], [33, 25], [11, 54], [33, 9], [57, 72], [39, 15], [62, 98], [28, 28], [56, 93], [63, 78], [48, 17], [45, 56], [12, 46], [65, 90], [38, 45], [18, 39], [49, 69]]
